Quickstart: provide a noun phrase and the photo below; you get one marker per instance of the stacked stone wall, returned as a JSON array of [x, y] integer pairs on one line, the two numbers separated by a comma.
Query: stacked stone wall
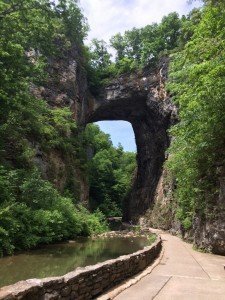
[[84, 283]]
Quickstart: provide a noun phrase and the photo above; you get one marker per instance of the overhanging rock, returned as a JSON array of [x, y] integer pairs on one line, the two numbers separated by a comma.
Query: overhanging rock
[[142, 100]]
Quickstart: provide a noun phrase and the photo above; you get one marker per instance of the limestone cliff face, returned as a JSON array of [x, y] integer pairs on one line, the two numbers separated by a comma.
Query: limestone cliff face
[[207, 233], [161, 213], [142, 100], [66, 86]]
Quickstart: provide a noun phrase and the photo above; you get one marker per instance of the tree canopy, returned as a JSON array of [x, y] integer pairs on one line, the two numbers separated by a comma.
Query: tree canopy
[[140, 47]]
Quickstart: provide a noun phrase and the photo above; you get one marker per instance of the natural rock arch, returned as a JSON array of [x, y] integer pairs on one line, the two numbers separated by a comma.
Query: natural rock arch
[[140, 99]]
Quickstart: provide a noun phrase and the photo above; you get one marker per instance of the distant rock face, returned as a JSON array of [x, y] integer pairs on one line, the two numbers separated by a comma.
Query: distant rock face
[[142, 100]]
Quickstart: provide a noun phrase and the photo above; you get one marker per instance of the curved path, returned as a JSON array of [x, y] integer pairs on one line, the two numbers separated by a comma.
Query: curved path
[[182, 274]]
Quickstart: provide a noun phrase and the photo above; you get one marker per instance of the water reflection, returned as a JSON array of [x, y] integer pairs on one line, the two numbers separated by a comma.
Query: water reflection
[[55, 260]]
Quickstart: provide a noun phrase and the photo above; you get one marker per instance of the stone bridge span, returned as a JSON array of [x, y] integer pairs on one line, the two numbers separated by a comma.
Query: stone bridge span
[[142, 100]]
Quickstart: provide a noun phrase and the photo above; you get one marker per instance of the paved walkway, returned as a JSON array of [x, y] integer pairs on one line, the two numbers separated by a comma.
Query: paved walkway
[[182, 274]]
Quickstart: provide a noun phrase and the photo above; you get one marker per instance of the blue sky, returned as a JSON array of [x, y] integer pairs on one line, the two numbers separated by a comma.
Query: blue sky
[[121, 132], [108, 17]]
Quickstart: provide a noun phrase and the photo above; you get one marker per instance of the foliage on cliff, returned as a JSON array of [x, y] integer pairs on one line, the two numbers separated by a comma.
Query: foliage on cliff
[[140, 47], [198, 81], [32, 211], [29, 30]]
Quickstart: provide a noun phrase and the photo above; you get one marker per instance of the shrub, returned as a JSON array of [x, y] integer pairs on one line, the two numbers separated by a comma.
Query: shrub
[[40, 215]]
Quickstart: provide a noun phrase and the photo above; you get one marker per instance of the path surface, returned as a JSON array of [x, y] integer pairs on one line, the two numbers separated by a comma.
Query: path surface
[[182, 274]]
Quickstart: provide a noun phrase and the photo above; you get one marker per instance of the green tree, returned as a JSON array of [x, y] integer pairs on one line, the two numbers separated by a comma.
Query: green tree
[[133, 41], [170, 29], [140, 47], [198, 81], [189, 24], [100, 56], [98, 64], [118, 43], [110, 172], [75, 24]]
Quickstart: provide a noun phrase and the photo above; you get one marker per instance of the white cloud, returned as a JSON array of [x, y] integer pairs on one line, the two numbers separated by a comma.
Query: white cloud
[[107, 17]]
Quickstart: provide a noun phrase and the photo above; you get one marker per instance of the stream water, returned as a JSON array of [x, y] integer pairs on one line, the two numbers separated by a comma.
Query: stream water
[[59, 259]]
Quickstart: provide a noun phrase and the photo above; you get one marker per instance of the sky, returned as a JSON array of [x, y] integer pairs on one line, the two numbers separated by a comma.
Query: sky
[[108, 17]]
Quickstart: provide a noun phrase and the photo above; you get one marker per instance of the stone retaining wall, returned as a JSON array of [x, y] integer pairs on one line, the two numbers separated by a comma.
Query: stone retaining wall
[[84, 283]]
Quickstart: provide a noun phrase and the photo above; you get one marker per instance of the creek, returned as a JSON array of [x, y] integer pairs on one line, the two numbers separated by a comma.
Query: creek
[[59, 259]]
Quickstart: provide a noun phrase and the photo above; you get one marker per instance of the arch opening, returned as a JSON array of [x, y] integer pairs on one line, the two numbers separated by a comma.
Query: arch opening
[[111, 167], [140, 99]]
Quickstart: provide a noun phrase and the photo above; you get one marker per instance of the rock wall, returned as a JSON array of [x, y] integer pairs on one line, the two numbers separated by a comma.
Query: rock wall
[[161, 214], [138, 98], [142, 100], [84, 283], [65, 86], [207, 233]]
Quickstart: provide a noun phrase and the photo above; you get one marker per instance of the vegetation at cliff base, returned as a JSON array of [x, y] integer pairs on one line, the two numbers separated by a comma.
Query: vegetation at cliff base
[[33, 212]]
